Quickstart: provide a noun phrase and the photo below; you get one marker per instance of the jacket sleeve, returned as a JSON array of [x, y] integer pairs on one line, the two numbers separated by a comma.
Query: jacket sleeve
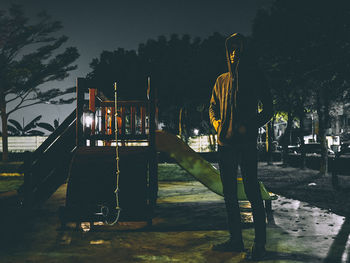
[[214, 107], [265, 98]]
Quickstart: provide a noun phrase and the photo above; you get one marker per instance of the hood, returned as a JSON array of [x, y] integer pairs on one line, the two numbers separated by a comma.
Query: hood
[[235, 41]]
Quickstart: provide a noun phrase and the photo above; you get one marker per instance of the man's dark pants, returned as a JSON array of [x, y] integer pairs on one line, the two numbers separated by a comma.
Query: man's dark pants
[[245, 156]]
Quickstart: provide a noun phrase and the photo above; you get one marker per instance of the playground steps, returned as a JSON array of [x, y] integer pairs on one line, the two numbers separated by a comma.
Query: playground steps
[[47, 168]]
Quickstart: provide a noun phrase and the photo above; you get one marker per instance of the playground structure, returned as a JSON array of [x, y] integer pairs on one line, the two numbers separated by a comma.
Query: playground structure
[[86, 150], [114, 139]]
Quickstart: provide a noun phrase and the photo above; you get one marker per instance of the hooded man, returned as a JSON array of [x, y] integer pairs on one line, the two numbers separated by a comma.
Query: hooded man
[[234, 114]]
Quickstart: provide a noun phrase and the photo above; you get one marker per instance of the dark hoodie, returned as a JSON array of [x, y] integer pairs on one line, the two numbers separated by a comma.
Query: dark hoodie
[[235, 98]]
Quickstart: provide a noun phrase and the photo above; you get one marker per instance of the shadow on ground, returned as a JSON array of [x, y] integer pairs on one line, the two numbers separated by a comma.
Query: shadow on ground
[[189, 219]]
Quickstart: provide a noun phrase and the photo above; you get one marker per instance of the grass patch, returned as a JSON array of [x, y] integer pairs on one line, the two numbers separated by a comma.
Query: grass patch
[[10, 183], [166, 172], [172, 172]]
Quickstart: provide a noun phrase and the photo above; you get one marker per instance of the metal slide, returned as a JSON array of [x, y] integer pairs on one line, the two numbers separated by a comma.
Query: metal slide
[[199, 168]]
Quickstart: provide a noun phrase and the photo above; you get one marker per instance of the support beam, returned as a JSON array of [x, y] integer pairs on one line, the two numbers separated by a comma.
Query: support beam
[[80, 88]]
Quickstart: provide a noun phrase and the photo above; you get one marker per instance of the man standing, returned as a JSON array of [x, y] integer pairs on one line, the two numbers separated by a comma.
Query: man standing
[[234, 114]]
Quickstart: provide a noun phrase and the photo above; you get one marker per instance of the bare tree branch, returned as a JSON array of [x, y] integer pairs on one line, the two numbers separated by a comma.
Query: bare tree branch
[[24, 106]]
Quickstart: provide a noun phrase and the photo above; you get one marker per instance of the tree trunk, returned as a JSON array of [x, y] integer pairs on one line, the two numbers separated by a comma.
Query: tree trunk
[[269, 132], [180, 122], [183, 132], [286, 139], [272, 133], [302, 142], [324, 152], [323, 120], [5, 151]]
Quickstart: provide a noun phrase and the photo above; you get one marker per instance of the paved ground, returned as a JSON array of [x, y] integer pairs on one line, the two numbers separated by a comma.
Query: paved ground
[[189, 220]]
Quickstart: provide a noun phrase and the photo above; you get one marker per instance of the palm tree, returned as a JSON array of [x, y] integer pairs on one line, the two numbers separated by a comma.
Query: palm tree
[[48, 126], [16, 129]]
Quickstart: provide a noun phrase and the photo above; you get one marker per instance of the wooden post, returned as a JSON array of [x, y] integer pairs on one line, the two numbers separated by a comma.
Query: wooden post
[[133, 120], [153, 164], [268, 206], [143, 120], [122, 115], [92, 107], [156, 108], [113, 119], [80, 87]]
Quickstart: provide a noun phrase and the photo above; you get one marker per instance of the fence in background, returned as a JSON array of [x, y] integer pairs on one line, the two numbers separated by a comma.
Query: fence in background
[[23, 143], [30, 143]]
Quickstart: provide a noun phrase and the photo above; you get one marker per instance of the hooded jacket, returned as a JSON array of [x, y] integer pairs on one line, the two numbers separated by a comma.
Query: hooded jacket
[[235, 99]]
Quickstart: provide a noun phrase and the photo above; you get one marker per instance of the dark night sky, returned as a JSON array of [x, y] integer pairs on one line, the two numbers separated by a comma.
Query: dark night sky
[[93, 26]]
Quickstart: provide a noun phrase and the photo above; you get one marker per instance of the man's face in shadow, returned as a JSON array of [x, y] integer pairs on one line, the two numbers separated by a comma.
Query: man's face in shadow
[[234, 54]]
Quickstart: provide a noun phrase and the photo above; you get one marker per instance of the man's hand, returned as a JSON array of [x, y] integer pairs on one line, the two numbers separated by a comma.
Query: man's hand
[[216, 124]]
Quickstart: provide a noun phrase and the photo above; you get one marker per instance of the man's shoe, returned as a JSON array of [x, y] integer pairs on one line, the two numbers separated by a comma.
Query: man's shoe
[[258, 251], [229, 246]]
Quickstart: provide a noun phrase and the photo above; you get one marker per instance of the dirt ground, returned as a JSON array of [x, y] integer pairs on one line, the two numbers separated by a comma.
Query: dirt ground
[[307, 185]]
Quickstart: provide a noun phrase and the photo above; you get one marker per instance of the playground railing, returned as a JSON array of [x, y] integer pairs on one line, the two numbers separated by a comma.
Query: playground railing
[[133, 119]]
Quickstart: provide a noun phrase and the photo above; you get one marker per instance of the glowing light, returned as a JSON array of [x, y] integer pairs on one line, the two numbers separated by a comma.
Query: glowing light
[[85, 226], [196, 131], [88, 121]]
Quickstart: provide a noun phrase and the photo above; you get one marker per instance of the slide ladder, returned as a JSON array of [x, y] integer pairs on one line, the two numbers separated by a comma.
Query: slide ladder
[[46, 168]]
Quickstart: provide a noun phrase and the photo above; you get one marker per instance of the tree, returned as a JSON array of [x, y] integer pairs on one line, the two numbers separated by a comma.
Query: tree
[[16, 129], [278, 42], [48, 126], [305, 47], [29, 57], [182, 70]]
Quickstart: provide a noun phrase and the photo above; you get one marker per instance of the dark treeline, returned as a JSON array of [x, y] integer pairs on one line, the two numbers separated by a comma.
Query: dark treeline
[[304, 49], [182, 70], [302, 46]]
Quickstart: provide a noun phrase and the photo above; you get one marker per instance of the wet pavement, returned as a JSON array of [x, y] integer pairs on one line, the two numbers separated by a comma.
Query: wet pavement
[[189, 219]]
